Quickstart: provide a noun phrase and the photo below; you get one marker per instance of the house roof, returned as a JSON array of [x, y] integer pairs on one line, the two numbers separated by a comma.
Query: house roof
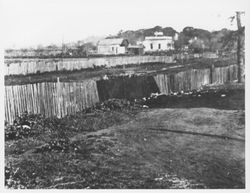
[[113, 41], [158, 38]]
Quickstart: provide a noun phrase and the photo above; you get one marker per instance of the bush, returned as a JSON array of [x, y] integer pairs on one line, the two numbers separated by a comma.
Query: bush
[[24, 126]]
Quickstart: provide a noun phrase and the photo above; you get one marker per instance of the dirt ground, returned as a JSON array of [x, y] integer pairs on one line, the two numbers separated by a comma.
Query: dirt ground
[[168, 148]]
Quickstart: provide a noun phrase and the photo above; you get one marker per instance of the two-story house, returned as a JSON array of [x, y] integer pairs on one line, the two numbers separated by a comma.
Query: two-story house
[[158, 42]]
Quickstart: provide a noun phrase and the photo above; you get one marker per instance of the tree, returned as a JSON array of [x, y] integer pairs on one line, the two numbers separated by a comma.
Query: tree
[[52, 46], [181, 42], [197, 45], [119, 33]]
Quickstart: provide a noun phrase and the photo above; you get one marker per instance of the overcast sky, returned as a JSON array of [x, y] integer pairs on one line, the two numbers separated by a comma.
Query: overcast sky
[[32, 22]]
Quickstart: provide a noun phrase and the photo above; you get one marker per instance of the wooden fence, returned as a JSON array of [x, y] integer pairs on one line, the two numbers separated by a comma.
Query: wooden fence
[[49, 98], [195, 78], [224, 74], [32, 66], [65, 98]]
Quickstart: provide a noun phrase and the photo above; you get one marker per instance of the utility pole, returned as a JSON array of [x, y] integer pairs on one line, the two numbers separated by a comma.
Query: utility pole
[[62, 50], [240, 63]]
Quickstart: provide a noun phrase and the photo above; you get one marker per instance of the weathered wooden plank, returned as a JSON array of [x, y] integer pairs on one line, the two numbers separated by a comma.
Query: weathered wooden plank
[[8, 102], [46, 99], [6, 105]]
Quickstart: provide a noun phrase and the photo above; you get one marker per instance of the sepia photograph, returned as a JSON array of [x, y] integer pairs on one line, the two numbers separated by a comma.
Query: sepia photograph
[[127, 94]]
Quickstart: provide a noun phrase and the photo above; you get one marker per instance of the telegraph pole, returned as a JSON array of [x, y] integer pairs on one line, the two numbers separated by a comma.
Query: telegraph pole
[[240, 63]]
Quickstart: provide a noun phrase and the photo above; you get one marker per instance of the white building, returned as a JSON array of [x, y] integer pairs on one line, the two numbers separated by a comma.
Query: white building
[[158, 43], [112, 46]]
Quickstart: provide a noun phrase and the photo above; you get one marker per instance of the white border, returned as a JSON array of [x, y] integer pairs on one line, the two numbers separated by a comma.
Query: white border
[[243, 5]]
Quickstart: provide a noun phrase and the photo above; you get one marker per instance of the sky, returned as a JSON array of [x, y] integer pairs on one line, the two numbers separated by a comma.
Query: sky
[[29, 23]]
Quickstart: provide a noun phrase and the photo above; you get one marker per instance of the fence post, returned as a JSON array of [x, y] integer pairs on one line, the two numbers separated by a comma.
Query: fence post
[[58, 94], [211, 73]]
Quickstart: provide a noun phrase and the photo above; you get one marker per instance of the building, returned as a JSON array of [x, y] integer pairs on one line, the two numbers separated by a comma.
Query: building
[[112, 46], [15, 53], [136, 49], [158, 43]]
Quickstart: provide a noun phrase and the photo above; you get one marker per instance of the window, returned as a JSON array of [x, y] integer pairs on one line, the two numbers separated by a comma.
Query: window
[[151, 46], [159, 46], [113, 49]]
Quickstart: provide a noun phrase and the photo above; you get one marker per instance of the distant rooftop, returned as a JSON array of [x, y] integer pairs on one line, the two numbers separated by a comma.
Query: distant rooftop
[[158, 38], [158, 33], [113, 41]]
